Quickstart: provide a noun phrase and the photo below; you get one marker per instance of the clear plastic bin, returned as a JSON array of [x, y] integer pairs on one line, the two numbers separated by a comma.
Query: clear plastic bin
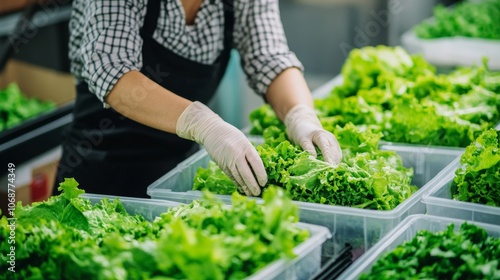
[[439, 201], [450, 52], [405, 232], [148, 208], [426, 161], [359, 227], [307, 262]]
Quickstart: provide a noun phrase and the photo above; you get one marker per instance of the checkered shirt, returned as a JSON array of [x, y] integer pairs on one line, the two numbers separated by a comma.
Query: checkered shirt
[[105, 40]]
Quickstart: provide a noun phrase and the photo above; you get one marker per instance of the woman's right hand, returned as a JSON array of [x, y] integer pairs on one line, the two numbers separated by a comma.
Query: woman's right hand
[[226, 145]]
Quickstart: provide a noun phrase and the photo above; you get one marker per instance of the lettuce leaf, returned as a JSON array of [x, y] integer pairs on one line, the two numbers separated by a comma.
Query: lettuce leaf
[[16, 108], [476, 180], [213, 179], [366, 178], [400, 95], [68, 237], [475, 19], [468, 253]]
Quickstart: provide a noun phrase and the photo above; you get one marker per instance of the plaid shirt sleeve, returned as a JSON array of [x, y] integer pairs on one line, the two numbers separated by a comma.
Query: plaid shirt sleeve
[[260, 39], [107, 44]]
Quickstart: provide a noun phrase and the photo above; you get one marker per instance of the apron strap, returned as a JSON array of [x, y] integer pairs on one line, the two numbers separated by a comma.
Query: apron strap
[[228, 23], [151, 18]]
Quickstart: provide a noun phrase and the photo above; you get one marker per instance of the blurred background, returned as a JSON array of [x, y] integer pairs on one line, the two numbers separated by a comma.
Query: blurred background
[[320, 32], [34, 54]]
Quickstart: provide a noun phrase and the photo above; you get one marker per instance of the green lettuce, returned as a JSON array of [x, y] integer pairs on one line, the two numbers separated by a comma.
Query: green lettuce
[[366, 178], [68, 237], [16, 108], [213, 179], [468, 253], [475, 19], [477, 179], [402, 97]]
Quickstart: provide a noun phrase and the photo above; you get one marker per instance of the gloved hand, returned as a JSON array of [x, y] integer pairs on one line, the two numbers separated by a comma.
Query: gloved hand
[[226, 145], [304, 129]]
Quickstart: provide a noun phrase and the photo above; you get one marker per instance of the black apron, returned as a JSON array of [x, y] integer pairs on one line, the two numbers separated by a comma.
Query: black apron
[[108, 153]]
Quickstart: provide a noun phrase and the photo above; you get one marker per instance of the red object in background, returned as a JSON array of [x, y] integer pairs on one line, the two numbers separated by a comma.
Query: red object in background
[[39, 187]]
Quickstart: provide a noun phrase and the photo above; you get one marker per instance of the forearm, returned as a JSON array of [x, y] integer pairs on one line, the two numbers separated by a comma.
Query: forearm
[[287, 90], [138, 98], [292, 101]]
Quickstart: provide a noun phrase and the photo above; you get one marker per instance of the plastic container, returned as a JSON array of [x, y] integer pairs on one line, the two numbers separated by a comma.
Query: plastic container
[[404, 232], [148, 208], [426, 161], [306, 264], [456, 51], [361, 228], [439, 201]]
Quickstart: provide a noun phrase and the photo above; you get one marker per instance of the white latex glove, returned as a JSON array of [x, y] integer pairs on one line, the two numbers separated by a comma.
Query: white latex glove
[[226, 145], [304, 129]]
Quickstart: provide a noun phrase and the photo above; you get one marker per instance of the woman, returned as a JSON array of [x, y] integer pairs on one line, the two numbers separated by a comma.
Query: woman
[[144, 70]]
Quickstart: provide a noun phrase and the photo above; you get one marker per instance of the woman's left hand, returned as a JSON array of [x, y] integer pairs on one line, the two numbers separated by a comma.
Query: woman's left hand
[[304, 129]]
